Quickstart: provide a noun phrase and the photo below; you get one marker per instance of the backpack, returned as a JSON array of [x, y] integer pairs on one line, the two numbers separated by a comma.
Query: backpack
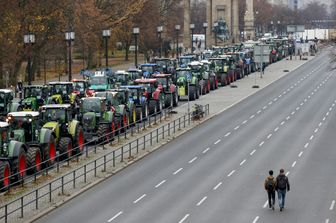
[[282, 182], [270, 184]]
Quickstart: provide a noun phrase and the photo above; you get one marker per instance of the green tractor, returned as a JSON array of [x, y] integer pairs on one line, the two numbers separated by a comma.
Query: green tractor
[[198, 70], [96, 120], [66, 130], [7, 104], [40, 142], [34, 96], [13, 161], [224, 69], [187, 84], [121, 77]]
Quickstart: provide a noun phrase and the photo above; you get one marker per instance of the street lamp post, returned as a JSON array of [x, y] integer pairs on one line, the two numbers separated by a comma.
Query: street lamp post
[[272, 28], [177, 29], [106, 36], [192, 27], [216, 26], [279, 28], [136, 32], [205, 26], [29, 40], [159, 31], [69, 37]]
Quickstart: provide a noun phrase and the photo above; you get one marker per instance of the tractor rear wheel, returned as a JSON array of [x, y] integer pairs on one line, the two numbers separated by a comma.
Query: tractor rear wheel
[[223, 80], [138, 114], [152, 107], [65, 148], [79, 140], [192, 93], [104, 133], [169, 101], [5, 173], [175, 99], [20, 165], [50, 151], [212, 83], [34, 160]]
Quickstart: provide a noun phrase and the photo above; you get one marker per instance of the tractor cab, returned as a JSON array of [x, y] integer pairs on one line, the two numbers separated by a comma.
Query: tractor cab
[[56, 113], [134, 74], [100, 81], [121, 77], [150, 86], [149, 69], [61, 93], [6, 97], [34, 96], [183, 61], [80, 87], [165, 65]]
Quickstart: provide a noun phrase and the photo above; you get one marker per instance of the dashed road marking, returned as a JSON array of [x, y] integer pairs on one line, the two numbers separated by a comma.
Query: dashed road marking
[[327, 113], [253, 152], [244, 122], [201, 201], [269, 103], [115, 216], [265, 205], [332, 205], [237, 127], [159, 184], [311, 137], [320, 124], [283, 122], [265, 107], [300, 154], [177, 171], [294, 163], [305, 100], [184, 218], [269, 136], [217, 186], [206, 150], [327, 220], [301, 103], [316, 130], [232, 172], [258, 112], [193, 159], [287, 173], [227, 134], [242, 162], [324, 118], [275, 99], [256, 219], [139, 199], [262, 143], [308, 96], [293, 112], [288, 117], [252, 116], [276, 129], [306, 145], [297, 108], [218, 141]]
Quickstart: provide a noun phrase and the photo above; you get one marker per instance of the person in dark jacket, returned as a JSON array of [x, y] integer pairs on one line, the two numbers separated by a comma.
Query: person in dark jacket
[[270, 185], [282, 186]]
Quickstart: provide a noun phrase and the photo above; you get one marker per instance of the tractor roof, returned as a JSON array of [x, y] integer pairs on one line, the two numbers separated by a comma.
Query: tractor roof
[[148, 65], [79, 80], [59, 82], [24, 114], [145, 81], [121, 72], [93, 98], [161, 75], [3, 124], [134, 70], [132, 87], [205, 62], [6, 91], [183, 69], [56, 106], [34, 86]]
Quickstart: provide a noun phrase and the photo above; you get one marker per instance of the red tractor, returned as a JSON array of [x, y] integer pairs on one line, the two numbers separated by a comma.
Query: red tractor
[[168, 88]]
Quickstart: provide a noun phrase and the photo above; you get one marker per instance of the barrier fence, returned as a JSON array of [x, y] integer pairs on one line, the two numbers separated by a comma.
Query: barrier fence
[[59, 186]]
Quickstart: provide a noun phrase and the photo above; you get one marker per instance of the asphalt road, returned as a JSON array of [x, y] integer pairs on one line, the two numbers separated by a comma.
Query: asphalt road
[[215, 172]]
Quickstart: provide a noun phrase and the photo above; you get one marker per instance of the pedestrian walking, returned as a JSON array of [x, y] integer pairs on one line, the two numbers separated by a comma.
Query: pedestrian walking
[[270, 185], [282, 186]]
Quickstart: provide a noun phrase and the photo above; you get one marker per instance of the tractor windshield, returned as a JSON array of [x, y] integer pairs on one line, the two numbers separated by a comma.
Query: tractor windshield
[[121, 78], [54, 114], [91, 105], [163, 81], [32, 92], [182, 73], [79, 86], [2, 99], [148, 69], [62, 89], [98, 80], [134, 75], [185, 60]]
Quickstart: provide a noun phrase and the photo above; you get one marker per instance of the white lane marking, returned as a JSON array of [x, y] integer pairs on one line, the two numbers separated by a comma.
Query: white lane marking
[[206, 150], [293, 165], [324, 118], [288, 117], [293, 112], [227, 134], [305, 100], [265, 205], [316, 130], [177, 171], [287, 173], [159, 184], [244, 122], [252, 116], [258, 112], [193, 159], [306, 145], [311, 137], [297, 108], [232, 172], [327, 113], [269, 136], [280, 95], [218, 141], [237, 127], [262, 143], [332, 205], [300, 154], [115, 216], [139, 199], [269, 103], [201, 201], [275, 99], [242, 162], [327, 220], [301, 103], [308, 96], [184, 218], [218, 185], [320, 124], [253, 152], [265, 107], [283, 122], [256, 219], [276, 129], [330, 108]]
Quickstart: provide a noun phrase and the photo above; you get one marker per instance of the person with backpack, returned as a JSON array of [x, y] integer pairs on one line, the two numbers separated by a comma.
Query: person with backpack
[[270, 185], [282, 185]]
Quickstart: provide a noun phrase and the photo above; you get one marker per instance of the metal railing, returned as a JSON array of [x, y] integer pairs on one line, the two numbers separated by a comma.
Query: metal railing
[[45, 193]]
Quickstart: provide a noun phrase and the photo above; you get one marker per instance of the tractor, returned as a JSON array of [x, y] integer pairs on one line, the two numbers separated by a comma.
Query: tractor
[[149, 69], [168, 88], [224, 69], [212, 74], [97, 121], [121, 77], [80, 87], [154, 95], [40, 142], [66, 130], [100, 81], [183, 61], [13, 160], [34, 96], [134, 74], [7, 104], [165, 65], [197, 69], [137, 96], [187, 84]]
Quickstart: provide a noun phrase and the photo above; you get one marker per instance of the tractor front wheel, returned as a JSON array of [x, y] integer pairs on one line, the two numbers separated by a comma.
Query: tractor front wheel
[[79, 140], [34, 160], [104, 133], [5, 173], [50, 151], [20, 165], [65, 148]]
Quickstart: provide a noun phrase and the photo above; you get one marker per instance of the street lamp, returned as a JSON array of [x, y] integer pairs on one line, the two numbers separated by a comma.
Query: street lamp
[[192, 27], [205, 26], [106, 36], [136, 32], [216, 27], [279, 28], [177, 29], [69, 37], [29, 40], [159, 31], [272, 28]]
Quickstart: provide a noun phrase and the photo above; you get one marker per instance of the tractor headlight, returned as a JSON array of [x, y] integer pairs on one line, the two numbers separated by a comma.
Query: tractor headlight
[[5, 147]]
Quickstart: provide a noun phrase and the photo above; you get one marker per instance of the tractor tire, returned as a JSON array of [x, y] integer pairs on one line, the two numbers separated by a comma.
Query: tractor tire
[[160, 106], [145, 111], [117, 124], [20, 165], [104, 133], [212, 83], [208, 87], [152, 107], [65, 148], [34, 160], [175, 99], [197, 93], [223, 80], [79, 137], [124, 123], [169, 101], [50, 152], [5, 173], [138, 115], [133, 116], [192, 93]]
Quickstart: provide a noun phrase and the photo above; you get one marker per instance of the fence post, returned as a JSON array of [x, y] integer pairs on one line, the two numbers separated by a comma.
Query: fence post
[[95, 146], [188, 118], [122, 154], [163, 132], [85, 173], [57, 166], [6, 213], [104, 163], [184, 121], [179, 123], [174, 125], [50, 192], [129, 150], [137, 146], [87, 151], [62, 182], [144, 142], [36, 199], [113, 161], [161, 115], [95, 168], [74, 179], [169, 129], [22, 207], [151, 136], [157, 135]]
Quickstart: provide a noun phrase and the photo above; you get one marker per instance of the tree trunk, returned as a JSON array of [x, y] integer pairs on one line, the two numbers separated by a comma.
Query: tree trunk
[[127, 52]]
